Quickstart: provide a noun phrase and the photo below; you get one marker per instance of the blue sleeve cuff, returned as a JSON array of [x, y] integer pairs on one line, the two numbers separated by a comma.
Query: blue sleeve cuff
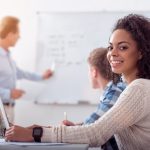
[[5, 94]]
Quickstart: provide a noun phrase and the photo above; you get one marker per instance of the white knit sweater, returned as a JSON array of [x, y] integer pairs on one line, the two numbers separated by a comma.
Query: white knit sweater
[[128, 119]]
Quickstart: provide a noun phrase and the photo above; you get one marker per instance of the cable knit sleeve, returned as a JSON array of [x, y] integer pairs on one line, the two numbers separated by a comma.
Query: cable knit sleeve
[[128, 110]]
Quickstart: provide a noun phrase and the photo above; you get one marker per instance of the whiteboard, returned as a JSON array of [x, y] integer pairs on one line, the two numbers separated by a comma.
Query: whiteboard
[[66, 39]]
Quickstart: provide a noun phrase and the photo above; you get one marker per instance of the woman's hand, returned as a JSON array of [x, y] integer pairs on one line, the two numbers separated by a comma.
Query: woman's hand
[[20, 134], [33, 126]]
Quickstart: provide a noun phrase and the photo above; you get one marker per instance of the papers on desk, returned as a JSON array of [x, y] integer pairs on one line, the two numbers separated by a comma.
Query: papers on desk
[[2, 142]]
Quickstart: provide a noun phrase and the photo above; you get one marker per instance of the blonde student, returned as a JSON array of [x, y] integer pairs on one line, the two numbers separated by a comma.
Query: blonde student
[[129, 118], [9, 71]]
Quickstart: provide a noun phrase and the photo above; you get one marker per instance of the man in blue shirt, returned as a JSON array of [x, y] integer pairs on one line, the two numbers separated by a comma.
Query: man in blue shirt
[[101, 78], [9, 72]]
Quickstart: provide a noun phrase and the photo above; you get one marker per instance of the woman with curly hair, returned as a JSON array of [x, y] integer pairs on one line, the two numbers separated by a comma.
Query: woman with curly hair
[[129, 118]]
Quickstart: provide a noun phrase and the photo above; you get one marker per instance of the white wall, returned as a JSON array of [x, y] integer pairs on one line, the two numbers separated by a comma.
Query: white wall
[[28, 113], [26, 10], [25, 51]]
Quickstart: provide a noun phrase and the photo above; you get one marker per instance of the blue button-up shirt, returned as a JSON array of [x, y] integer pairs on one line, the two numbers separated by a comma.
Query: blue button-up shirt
[[107, 100], [9, 73]]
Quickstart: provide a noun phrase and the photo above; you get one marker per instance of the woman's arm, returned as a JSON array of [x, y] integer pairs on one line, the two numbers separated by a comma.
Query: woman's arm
[[127, 111], [130, 108]]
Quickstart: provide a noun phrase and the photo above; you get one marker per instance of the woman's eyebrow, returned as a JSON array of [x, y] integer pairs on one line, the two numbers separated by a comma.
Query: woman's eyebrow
[[122, 42]]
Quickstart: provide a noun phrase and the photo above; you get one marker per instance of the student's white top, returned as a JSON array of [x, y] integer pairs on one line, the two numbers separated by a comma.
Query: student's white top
[[128, 119]]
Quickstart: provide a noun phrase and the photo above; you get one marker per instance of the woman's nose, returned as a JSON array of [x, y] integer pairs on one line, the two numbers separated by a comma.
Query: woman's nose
[[114, 52]]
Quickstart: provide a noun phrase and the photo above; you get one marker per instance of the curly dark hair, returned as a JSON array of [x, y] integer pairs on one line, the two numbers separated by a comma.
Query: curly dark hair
[[98, 58], [139, 28]]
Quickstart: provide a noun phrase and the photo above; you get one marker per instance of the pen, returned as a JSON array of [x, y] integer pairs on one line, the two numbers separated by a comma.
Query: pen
[[65, 116], [53, 67]]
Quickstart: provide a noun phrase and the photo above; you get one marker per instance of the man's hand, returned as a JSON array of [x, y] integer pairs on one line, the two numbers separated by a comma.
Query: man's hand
[[47, 74], [69, 123], [20, 134], [16, 93]]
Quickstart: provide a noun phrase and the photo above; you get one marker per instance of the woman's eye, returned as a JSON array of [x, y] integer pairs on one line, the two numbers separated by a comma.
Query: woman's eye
[[123, 47], [110, 48]]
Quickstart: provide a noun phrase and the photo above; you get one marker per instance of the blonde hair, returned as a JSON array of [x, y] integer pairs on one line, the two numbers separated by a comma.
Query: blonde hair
[[8, 24], [98, 58]]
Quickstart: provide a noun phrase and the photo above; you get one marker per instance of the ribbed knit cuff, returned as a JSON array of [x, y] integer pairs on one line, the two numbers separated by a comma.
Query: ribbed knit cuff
[[53, 134], [49, 135]]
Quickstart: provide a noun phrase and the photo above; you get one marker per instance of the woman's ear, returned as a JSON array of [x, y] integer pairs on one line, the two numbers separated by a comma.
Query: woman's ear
[[140, 55]]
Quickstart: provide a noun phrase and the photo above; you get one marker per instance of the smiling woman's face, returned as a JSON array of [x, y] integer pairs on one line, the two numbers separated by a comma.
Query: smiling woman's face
[[123, 53]]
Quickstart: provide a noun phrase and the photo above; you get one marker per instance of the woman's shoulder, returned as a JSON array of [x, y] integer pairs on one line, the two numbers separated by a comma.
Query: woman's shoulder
[[138, 89], [141, 82]]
